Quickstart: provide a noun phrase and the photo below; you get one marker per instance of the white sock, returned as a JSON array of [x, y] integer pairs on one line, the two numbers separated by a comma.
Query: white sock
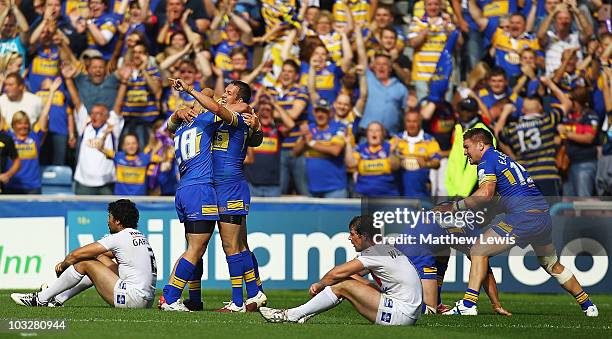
[[323, 301], [84, 284], [68, 279]]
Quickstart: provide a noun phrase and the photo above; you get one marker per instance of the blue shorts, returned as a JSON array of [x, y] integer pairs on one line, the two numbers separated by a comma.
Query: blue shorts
[[233, 198], [526, 228], [425, 265], [196, 202]]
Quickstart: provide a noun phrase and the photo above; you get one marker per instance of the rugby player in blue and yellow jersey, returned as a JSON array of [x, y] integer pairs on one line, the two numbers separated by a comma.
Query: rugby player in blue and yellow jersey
[[527, 221], [233, 199], [196, 200]]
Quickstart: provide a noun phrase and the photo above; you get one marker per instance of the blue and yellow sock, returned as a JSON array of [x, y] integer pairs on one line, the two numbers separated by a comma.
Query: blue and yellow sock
[[249, 274], [234, 264], [470, 298], [256, 270], [583, 299], [174, 289], [195, 283], [440, 279]]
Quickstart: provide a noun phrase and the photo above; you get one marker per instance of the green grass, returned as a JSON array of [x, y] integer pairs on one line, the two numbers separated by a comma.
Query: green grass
[[553, 316]]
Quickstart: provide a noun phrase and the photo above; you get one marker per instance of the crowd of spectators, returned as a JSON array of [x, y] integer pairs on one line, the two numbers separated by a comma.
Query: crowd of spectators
[[355, 97]]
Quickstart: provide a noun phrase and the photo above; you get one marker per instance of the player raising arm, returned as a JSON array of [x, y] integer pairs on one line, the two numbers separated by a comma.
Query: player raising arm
[[395, 300], [527, 221], [128, 283]]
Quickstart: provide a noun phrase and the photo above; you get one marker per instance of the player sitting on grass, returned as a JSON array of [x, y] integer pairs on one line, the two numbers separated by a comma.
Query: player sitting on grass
[[395, 299], [127, 283], [527, 221]]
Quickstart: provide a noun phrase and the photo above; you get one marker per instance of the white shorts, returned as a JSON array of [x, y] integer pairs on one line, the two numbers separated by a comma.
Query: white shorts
[[389, 313], [127, 296]]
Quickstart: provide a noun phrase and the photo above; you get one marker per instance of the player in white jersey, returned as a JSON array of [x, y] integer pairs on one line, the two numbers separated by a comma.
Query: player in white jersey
[[395, 299], [127, 283]]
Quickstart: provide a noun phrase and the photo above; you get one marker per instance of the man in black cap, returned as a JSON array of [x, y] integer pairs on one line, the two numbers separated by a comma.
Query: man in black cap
[[461, 177], [323, 144]]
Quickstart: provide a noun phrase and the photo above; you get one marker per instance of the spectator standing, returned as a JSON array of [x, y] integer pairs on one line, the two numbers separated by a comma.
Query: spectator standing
[[428, 35], [293, 98], [375, 164], [140, 107], [14, 30], [580, 130], [263, 163], [28, 140], [101, 28], [323, 146], [16, 98], [419, 152], [387, 96]]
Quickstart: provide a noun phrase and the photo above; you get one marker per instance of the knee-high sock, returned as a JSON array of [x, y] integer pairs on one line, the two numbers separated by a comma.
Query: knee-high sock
[[84, 284], [195, 282], [234, 264], [256, 269], [249, 274], [323, 301], [174, 289], [67, 280]]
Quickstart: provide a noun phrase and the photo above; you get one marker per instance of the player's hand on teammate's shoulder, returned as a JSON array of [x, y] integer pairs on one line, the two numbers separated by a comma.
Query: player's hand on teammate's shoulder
[[186, 114], [446, 206]]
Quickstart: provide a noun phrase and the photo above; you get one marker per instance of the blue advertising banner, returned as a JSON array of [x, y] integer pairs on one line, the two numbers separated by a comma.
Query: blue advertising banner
[[297, 242]]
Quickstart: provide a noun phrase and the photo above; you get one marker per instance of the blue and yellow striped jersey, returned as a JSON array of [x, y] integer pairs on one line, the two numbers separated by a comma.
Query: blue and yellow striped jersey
[[139, 101], [531, 138], [106, 22], [229, 150], [131, 173], [28, 176], [324, 172], [286, 99], [45, 64], [508, 49], [376, 177], [360, 9], [327, 81], [426, 57], [518, 193]]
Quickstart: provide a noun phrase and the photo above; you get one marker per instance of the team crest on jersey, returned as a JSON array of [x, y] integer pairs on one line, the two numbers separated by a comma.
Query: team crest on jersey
[[386, 317]]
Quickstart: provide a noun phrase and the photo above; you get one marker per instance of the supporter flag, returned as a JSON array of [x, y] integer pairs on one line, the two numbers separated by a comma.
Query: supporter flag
[[438, 85]]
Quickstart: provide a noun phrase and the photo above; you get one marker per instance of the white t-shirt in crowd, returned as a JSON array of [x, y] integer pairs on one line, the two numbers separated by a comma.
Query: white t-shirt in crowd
[[30, 104], [136, 260], [395, 276]]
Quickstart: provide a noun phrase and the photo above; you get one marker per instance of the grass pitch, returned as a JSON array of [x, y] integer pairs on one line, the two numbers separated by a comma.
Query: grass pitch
[[87, 316]]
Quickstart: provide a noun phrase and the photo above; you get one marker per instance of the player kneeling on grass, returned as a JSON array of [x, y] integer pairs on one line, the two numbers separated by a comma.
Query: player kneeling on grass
[[127, 283], [395, 300]]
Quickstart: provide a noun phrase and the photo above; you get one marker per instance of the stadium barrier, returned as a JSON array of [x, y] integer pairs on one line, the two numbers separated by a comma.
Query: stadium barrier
[[295, 239]]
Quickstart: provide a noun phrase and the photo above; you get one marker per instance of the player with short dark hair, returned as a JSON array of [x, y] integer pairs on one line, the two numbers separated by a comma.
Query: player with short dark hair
[[395, 299], [527, 221], [127, 283], [196, 199]]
